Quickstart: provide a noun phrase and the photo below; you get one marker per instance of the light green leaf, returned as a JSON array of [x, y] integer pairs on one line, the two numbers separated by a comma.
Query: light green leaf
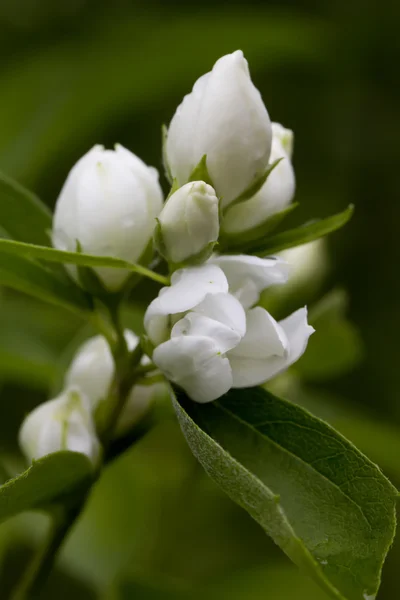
[[25, 275], [324, 503], [200, 172], [45, 482], [10, 247], [255, 186], [246, 240], [302, 235], [23, 216], [164, 138], [336, 347]]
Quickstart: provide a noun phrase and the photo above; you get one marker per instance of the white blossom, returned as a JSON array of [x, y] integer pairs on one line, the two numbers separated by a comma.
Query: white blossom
[[189, 223], [276, 193], [64, 423], [224, 118], [207, 343], [248, 275], [108, 206], [92, 371]]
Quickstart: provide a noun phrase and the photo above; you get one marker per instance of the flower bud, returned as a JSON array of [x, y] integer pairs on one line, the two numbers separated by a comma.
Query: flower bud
[[188, 224], [64, 423], [108, 207], [225, 119], [92, 371], [276, 193]]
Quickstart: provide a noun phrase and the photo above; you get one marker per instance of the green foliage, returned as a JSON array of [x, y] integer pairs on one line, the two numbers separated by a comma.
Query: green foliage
[[302, 481], [256, 185], [336, 346], [20, 272], [200, 172], [301, 235], [44, 483], [241, 242], [22, 214]]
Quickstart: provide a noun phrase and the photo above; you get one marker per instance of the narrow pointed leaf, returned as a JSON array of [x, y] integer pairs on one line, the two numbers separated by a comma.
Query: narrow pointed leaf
[[246, 240], [324, 503], [301, 235], [11, 247], [22, 215], [25, 275], [200, 172], [256, 185], [46, 481]]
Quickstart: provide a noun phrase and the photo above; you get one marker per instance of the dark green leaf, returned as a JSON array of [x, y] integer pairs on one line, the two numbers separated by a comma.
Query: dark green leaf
[[302, 235], [10, 247], [25, 275], [246, 240], [22, 214], [323, 502], [47, 480]]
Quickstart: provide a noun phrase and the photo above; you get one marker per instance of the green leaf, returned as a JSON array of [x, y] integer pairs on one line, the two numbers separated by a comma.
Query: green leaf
[[23, 216], [302, 235], [324, 503], [164, 138], [10, 247], [25, 275], [44, 483], [200, 173], [336, 347], [245, 240], [255, 186]]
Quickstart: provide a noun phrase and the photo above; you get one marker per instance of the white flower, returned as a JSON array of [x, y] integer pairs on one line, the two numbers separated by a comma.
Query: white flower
[[224, 118], [64, 423], [108, 204], [206, 343], [189, 223], [248, 275], [92, 371], [276, 193]]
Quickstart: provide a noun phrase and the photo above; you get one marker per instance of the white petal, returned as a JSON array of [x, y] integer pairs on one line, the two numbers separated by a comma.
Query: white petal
[[109, 204], [248, 276], [224, 308], [194, 324], [248, 372], [264, 337], [225, 118], [188, 288], [92, 368], [195, 364]]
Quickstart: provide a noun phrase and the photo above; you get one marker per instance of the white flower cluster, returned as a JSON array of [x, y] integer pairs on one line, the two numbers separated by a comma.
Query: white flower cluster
[[205, 330], [68, 421]]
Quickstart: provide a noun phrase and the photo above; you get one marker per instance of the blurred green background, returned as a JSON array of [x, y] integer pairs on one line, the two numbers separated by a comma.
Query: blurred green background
[[78, 72]]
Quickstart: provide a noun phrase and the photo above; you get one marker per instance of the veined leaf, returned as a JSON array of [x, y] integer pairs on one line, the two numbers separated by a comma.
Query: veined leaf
[[23, 216], [47, 480], [324, 503], [10, 247], [302, 235]]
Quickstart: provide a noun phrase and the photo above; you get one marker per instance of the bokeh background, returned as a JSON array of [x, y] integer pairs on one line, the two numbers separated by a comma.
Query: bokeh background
[[78, 72]]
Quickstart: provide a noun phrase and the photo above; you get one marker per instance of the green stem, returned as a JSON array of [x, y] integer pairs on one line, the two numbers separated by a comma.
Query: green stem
[[43, 562], [64, 519]]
